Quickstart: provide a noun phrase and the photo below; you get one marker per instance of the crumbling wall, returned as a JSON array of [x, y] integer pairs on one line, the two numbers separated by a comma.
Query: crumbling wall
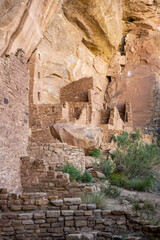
[[14, 124], [41, 117], [128, 116], [115, 119], [77, 91], [84, 94], [36, 78], [57, 154], [38, 176], [79, 112]]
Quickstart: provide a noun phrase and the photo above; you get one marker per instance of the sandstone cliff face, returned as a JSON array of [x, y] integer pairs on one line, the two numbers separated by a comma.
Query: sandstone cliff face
[[23, 22], [139, 81], [66, 58], [100, 23], [80, 42]]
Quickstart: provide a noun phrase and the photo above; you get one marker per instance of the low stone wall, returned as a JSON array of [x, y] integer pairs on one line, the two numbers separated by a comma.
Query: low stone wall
[[57, 154], [39, 176], [33, 216]]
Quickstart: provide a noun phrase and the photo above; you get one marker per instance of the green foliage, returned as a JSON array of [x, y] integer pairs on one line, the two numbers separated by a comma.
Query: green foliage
[[149, 206], [86, 177], [140, 184], [111, 191], [74, 173], [97, 198], [147, 212], [107, 167], [118, 179], [125, 139], [139, 161], [96, 153], [136, 206]]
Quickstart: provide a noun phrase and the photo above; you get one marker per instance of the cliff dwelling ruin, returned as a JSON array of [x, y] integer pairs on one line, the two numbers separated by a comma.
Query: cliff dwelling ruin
[[71, 77]]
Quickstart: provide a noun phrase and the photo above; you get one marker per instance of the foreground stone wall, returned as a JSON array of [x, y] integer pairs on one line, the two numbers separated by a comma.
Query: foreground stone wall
[[14, 127], [38, 216]]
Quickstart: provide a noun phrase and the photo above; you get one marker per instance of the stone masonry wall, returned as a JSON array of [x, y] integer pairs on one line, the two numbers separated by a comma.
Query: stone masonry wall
[[14, 112], [43, 146], [57, 154], [77, 91], [36, 216], [79, 112], [37, 176], [42, 116]]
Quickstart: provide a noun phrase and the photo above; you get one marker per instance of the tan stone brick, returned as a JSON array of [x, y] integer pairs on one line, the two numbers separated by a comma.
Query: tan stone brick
[[69, 223], [39, 215], [27, 222], [81, 223], [51, 214], [15, 207], [67, 212], [40, 202], [29, 207]]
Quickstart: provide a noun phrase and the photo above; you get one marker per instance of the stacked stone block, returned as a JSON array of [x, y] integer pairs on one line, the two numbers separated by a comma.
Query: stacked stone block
[[38, 216], [37, 176], [57, 154]]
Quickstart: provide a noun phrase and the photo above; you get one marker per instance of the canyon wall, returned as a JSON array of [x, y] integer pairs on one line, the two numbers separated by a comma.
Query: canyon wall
[[139, 79], [23, 22]]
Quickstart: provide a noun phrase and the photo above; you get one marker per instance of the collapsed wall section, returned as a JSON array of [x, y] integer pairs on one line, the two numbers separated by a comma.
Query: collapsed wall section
[[14, 124]]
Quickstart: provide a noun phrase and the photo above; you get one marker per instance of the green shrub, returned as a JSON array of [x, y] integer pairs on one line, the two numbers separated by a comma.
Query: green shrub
[[139, 160], [97, 198], [86, 177], [118, 179], [96, 153], [147, 212], [136, 207], [140, 184], [107, 167], [111, 191], [74, 173], [150, 206]]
